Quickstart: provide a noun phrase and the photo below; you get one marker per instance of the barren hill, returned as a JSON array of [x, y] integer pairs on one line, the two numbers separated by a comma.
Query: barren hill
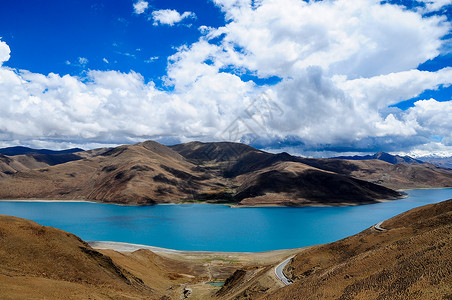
[[394, 176], [151, 173], [38, 262]]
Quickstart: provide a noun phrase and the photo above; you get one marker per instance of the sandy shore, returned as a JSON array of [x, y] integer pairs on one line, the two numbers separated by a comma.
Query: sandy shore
[[54, 201], [128, 247]]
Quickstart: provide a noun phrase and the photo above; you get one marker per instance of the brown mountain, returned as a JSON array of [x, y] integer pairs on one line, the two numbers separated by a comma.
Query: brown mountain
[[411, 259], [146, 173], [151, 173], [394, 176]]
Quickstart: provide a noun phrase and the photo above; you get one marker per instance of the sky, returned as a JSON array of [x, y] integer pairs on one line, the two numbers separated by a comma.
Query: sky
[[314, 78]]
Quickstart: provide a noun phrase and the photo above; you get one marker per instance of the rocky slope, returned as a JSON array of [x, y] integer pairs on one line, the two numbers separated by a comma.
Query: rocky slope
[[151, 173]]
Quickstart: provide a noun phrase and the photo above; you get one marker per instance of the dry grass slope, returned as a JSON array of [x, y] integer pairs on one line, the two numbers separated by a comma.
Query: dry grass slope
[[38, 262], [411, 260]]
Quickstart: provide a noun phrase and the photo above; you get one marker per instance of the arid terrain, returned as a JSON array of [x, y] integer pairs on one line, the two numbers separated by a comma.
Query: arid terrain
[[151, 173], [410, 259]]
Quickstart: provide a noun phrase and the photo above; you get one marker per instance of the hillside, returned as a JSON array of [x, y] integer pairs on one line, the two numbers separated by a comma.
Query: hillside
[[146, 173], [393, 176], [38, 262], [151, 173], [443, 162], [411, 259]]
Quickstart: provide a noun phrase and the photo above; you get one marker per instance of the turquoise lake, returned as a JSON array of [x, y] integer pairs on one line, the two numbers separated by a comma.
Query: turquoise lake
[[216, 227]]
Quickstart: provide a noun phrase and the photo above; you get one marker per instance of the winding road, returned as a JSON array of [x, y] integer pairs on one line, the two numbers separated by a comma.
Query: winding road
[[279, 270], [280, 273], [377, 226]]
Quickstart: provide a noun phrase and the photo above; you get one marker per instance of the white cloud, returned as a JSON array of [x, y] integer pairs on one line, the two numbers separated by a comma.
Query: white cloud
[[170, 16], [340, 64], [355, 38], [430, 149], [4, 52], [140, 7], [105, 60], [384, 90], [83, 61], [434, 5], [151, 59]]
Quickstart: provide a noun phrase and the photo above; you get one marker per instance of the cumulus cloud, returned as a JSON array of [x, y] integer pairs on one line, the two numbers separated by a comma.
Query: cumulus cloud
[[4, 52], [356, 38], [434, 5], [140, 7], [336, 81], [170, 16]]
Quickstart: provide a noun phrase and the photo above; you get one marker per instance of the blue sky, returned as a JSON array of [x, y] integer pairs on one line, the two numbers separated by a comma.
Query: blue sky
[[63, 31], [313, 78]]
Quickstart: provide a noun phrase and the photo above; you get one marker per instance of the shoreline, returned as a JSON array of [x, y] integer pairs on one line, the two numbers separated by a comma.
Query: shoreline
[[231, 205], [128, 247], [425, 188], [131, 247]]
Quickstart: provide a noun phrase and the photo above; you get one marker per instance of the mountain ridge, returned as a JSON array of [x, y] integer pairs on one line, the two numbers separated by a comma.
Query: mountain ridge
[[150, 173], [384, 156], [20, 150]]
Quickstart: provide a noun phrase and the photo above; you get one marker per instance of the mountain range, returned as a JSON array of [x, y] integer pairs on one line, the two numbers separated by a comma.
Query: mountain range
[[152, 173], [392, 159]]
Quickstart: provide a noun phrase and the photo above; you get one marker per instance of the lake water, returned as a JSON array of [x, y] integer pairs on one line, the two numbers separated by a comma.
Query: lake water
[[216, 227]]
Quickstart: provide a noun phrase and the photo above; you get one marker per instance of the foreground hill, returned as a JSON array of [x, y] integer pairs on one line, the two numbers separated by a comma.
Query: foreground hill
[[411, 259], [151, 173], [38, 262]]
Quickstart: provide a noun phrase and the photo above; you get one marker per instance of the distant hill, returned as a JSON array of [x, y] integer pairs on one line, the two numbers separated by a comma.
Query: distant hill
[[392, 159], [18, 150], [410, 260], [150, 173], [443, 162]]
